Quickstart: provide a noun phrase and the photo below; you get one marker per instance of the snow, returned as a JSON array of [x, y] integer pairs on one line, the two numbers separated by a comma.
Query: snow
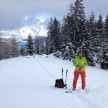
[[28, 82]]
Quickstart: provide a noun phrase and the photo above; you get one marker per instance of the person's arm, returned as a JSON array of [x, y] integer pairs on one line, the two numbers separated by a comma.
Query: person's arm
[[85, 62], [74, 62]]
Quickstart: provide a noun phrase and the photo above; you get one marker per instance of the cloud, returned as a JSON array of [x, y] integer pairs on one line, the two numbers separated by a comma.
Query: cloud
[[98, 6], [14, 12]]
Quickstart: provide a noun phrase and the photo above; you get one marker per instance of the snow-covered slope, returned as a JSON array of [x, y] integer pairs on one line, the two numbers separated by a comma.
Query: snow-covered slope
[[28, 82]]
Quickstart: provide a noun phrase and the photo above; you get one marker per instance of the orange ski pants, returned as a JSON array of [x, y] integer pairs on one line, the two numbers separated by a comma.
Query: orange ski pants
[[76, 75]]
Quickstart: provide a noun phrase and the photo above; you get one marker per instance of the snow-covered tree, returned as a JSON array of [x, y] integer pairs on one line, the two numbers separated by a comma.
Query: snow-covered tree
[[100, 27], [74, 27], [30, 49], [47, 46], [77, 32], [50, 39], [91, 39], [79, 23], [54, 35], [15, 49], [37, 44], [0, 48], [42, 47], [106, 27], [8, 48]]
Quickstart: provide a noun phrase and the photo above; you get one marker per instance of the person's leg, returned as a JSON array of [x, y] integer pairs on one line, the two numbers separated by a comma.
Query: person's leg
[[76, 75], [83, 75]]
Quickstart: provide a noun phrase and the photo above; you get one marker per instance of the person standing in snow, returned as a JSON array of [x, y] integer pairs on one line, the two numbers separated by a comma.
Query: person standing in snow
[[80, 63]]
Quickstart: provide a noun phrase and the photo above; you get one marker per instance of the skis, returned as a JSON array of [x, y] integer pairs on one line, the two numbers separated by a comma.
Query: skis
[[67, 91], [78, 91], [70, 91]]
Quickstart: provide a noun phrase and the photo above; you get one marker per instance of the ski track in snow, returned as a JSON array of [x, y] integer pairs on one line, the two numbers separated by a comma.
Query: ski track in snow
[[49, 69], [44, 68], [88, 103]]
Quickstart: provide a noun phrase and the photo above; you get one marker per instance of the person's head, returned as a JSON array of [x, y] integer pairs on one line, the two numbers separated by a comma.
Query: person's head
[[80, 53]]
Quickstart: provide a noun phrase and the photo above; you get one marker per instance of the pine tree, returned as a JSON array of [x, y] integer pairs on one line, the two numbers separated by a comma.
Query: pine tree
[[37, 43], [30, 45], [50, 39], [67, 34], [15, 50], [6, 50], [79, 29], [99, 40], [22, 51], [100, 26], [68, 25], [42, 49], [104, 46], [104, 62], [92, 26], [54, 35], [106, 27], [47, 46], [65, 30], [0, 48], [92, 32], [74, 29]]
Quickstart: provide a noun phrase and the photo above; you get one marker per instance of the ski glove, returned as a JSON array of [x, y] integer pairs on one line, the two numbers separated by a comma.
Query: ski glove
[[79, 68]]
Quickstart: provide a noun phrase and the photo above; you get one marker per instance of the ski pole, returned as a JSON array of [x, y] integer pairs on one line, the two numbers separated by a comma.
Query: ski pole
[[62, 73], [66, 79]]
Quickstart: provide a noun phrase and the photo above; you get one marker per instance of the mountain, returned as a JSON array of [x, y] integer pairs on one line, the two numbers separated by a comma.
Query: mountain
[[24, 32], [33, 25]]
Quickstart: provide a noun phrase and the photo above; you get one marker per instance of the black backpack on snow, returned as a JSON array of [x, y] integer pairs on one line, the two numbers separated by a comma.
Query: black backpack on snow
[[59, 83]]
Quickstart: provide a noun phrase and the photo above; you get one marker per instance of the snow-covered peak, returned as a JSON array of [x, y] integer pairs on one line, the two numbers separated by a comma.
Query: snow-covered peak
[[35, 26]]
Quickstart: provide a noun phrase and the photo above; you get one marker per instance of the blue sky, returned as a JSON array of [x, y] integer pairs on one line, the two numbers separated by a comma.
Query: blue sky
[[14, 13]]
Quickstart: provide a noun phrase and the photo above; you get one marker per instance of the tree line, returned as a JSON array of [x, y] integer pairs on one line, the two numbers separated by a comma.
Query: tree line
[[8, 48], [11, 47], [76, 32]]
